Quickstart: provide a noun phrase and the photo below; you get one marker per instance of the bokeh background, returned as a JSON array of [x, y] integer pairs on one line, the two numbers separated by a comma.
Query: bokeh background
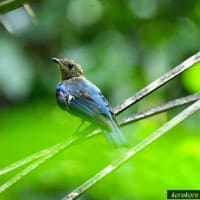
[[122, 46]]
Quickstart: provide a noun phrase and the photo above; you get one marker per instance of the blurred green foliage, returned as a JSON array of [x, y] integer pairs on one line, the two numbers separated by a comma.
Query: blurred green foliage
[[135, 41]]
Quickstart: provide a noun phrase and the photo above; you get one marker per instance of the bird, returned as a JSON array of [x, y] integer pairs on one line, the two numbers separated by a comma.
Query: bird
[[80, 97]]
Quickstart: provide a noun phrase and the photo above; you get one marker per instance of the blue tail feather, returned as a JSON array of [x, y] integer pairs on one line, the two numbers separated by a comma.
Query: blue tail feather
[[115, 136]]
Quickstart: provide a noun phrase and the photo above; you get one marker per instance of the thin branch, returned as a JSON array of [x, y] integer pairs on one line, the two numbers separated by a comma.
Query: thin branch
[[24, 172], [158, 83], [24, 161], [41, 157], [31, 13], [130, 153], [28, 159], [9, 5], [46, 155], [6, 25], [159, 109]]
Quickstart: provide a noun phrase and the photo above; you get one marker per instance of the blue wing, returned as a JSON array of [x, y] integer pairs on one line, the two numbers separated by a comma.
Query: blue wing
[[82, 98]]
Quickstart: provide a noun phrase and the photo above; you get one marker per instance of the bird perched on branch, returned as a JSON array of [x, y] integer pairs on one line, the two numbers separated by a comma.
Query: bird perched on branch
[[80, 97]]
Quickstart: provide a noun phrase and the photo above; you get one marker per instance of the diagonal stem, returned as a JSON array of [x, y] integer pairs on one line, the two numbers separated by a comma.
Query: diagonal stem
[[173, 73], [45, 155], [6, 24], [41, 157], [130, 153], [31, 13], [159, 109], [26, 160]]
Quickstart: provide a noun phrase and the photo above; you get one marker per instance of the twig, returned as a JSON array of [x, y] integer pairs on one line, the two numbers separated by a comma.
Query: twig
[[41, 157], [28, 159], [31, 13], [46, 155], [129, 154], [159, 109], [72, 140], [158, 83], [6, 25], [24, 161]]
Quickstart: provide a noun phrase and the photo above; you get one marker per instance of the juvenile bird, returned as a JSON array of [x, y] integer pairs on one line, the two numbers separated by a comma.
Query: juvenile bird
[[80, 97]]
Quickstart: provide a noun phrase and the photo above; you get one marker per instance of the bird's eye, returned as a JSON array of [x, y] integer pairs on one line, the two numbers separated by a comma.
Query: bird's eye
[[70, 66]]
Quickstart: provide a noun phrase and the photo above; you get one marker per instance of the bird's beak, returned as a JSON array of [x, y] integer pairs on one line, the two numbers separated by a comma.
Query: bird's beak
[[56, 60]]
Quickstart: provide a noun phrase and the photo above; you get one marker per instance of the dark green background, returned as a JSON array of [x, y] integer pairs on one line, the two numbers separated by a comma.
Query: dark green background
[[122, 46]]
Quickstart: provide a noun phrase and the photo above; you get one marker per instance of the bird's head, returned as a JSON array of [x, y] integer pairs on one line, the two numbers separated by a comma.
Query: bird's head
[[68, 68]]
